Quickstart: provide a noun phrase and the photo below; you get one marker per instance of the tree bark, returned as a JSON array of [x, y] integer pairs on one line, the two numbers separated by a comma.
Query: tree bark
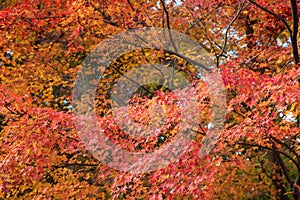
[[277, 176]]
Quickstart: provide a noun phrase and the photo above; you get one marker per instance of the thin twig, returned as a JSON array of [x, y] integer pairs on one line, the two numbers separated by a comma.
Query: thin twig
[[168, 25], [227, 30], [131, 6], [75, 164], [106, 18], [274, 14], [194, 62]]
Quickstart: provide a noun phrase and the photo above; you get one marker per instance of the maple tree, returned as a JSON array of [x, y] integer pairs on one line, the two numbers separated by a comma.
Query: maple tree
[[254, 44]]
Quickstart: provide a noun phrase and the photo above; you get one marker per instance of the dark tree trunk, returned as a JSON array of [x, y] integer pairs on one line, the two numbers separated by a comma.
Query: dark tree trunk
[[277, 177]]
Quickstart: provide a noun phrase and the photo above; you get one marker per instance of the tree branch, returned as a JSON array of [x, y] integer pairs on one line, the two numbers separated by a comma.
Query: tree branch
[[293, 33], [295, 30], [271, 149], [106, 18], [75, 164], [227, 30], [274, 14], [168, 25], [240, 114], [194, 62], [131, 6], [122, 74], [284, 144], [283, 167]]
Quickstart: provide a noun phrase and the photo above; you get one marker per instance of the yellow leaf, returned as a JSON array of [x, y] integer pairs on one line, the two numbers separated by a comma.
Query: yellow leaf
[[293, 107]]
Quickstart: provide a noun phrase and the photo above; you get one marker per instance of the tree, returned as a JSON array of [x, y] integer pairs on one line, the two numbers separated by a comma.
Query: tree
[[255, 46]]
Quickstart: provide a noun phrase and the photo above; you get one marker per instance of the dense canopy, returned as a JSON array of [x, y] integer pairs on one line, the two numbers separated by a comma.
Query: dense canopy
[[254, 47]]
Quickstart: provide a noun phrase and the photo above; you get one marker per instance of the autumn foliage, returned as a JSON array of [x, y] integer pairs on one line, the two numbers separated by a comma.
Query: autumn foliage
[[254, 46]]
